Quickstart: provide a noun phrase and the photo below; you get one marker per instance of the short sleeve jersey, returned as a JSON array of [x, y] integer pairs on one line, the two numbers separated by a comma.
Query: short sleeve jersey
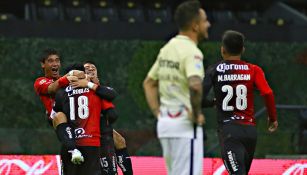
[[82, 108], [41, 88], [234, 83], [178, 60]]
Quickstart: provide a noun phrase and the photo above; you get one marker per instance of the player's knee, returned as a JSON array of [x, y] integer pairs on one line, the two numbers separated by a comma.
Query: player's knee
[[58, 119], [119, 140]]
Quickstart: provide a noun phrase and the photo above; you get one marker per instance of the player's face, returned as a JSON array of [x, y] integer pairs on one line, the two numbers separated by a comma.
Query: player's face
[[51, 66], [90, 70], [202, 25]]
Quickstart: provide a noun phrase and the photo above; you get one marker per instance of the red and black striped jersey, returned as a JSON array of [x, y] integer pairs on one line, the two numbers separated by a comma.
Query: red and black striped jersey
[[82, 108], [234, 82]]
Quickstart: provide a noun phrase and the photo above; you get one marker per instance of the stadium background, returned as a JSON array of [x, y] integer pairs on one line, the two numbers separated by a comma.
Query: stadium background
[[124, 42]]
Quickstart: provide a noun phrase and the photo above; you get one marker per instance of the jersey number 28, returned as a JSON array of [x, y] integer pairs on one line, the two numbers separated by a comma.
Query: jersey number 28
[[82, 106], [241, 100]]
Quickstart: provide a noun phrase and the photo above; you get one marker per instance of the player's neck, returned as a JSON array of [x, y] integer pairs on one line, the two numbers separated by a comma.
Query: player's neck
[[237, 57], [191, 35]]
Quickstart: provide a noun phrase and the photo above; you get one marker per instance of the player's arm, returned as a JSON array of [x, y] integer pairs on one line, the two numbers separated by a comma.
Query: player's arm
[[207, 85], [43, 86], [108, 111], [152, 96], [195, 72], [195, 87], [65, 80], [103, 92], [268, 96], [151, 87]]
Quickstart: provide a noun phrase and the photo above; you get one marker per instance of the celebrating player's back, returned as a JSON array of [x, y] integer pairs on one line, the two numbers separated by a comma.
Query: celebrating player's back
[[82, 107], [234, 81]]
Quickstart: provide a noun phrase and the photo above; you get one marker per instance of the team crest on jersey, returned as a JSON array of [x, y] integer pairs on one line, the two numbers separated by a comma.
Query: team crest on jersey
[[42, 81], [198, 66]]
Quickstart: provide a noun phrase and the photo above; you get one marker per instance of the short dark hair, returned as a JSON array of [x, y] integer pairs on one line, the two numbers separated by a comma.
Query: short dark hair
[[89, 62], [47, 52], [186, 13], [233, 42], [74, 66]]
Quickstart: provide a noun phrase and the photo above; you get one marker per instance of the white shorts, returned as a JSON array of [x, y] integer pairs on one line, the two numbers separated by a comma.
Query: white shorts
[[184, 156]]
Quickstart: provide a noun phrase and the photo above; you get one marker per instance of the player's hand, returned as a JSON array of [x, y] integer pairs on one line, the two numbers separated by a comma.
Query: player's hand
[[72, 78], [201, 120], [82, 83], [272, 126], [79, 74]]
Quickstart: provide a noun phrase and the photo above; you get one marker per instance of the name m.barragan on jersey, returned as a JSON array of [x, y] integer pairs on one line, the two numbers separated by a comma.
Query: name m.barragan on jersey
[[232, 77]]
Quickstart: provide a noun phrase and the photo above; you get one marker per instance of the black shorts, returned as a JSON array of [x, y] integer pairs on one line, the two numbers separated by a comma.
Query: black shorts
[[90, 166], [238, 143], [108, 156]]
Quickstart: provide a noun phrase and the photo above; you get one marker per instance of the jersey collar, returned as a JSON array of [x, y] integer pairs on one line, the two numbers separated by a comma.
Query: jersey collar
[[183, 37]]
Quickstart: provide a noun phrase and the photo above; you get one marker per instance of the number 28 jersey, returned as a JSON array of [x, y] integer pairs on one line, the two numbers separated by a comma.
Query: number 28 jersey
[[234, 82], [82, 108]]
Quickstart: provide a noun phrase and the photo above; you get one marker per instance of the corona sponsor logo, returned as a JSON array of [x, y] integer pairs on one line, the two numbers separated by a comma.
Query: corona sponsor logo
[[223, 67]]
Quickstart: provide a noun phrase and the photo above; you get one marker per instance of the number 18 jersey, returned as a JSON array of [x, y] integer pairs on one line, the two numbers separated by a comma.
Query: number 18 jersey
[[82, 108], [234, 82]]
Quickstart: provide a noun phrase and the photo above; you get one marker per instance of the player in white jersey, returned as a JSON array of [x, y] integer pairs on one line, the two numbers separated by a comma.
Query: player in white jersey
[[173, 89]]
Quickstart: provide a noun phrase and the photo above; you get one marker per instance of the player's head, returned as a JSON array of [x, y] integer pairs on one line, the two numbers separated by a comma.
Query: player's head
[[51, 63], [90, 68], [189, 16], [74, 66], [232, 43]]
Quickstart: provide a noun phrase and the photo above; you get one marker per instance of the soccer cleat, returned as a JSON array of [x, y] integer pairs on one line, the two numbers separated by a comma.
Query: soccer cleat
[[76, 156]]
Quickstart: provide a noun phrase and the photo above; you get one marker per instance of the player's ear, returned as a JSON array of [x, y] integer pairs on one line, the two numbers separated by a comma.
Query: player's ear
[[223, 52], [243, 50], [43, 65], [194, 26]]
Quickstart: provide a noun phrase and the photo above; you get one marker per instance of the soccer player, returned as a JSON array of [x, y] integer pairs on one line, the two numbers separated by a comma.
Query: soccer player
[[46, 87], [234, 81], [114, 146], [82, 108], [173, 89]]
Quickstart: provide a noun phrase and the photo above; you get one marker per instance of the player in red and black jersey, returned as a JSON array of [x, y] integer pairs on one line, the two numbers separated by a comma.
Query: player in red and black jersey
[[47, 86], [82, 108], [234, 82], [113, 148]]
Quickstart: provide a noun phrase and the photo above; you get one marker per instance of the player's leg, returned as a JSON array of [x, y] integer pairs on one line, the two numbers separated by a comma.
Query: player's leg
[[182, 156], [108, 156], [123, 157], [198, 152], [91, 165], [166, 148], [66, 136], [250, 145], [233, 152]]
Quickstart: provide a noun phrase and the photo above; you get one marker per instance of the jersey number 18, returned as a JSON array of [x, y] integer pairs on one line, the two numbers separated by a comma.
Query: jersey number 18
[[83, 111]]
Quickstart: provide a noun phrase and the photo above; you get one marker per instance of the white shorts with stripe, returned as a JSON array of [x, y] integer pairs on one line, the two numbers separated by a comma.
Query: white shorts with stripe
[[184, 156]]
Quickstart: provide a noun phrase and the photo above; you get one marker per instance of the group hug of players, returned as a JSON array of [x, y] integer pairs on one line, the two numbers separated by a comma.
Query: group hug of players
[[80, 110]]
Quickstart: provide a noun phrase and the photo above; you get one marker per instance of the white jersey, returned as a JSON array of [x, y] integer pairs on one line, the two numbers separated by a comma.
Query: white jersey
[[178, 60]]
